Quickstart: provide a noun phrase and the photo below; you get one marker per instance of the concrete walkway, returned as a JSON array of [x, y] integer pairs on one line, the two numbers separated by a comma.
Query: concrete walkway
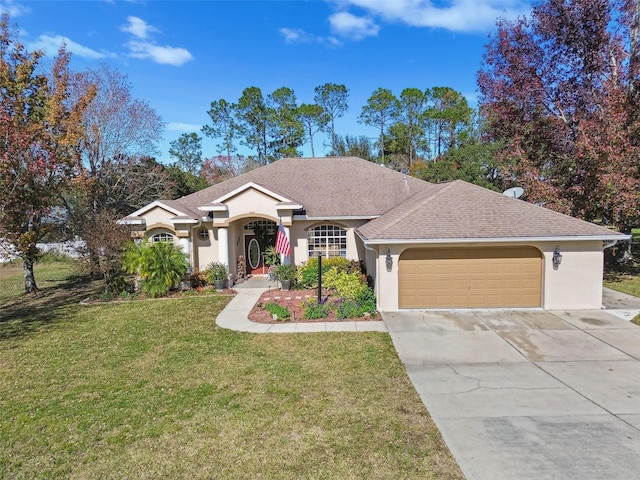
[[528, 394], [235, 314]]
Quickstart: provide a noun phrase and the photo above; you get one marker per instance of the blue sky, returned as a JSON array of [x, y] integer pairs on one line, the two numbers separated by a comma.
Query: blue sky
[[181, 55]]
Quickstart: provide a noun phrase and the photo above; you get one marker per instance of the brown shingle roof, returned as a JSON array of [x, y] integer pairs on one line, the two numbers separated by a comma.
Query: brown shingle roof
[[460, 210], [326, 187]]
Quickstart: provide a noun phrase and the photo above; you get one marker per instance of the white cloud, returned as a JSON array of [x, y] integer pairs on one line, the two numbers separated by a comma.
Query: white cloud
[[183, 127], [297, 35], [454, 15], [51, 44], [13, 9], [144, 47], [347, 25], [138, 28], [164, 55]]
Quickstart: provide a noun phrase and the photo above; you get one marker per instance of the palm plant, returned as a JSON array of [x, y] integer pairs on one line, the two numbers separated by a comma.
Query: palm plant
[[159, 266]]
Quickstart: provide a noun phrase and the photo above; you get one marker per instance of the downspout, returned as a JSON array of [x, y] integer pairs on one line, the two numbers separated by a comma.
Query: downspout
[[377, 282], [192, 244]]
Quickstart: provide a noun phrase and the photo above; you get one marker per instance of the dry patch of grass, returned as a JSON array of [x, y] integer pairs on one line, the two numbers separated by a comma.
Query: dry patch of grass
[[156, 390]]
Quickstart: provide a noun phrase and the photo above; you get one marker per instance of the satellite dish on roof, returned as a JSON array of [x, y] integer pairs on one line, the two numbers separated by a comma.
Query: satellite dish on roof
[[514, 192]]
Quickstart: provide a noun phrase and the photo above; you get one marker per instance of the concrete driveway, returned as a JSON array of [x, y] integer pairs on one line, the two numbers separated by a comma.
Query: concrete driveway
[[528, 394]]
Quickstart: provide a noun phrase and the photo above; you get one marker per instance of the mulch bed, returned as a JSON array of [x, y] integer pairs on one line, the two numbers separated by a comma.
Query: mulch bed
[[293, 300]]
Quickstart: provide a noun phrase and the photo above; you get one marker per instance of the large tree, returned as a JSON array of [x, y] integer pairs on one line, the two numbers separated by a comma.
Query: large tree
[[332, 98], [285, 129], [187, 150], [380, 109], [448, 115], [410, 113], [252, 116], [314, 119], [223, 126], [115, 176], [120, 130], [560, 90], [40, 128]]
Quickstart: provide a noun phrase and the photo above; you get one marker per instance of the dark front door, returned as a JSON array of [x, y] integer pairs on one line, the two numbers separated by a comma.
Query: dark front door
[[254, 256]]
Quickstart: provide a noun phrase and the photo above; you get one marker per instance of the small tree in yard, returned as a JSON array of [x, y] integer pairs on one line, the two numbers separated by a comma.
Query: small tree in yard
[[40, 130], [107, 238], [158, 265]]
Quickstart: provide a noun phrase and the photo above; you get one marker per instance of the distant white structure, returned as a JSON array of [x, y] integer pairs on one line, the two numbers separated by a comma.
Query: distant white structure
[[70, 248]]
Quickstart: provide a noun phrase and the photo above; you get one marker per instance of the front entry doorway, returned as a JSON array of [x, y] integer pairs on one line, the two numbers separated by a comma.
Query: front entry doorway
[[254, 255], [258, 235]]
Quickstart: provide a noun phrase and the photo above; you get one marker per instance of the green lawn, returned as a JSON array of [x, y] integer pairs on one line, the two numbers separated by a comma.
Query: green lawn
[[153, 389]]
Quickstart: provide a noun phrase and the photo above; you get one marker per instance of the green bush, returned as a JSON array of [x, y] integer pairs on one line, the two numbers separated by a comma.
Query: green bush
[[308, 273], [217, 271], [346, 285], [366, 299], [159, 265], [315, 310], [348, 309], [285, 272], [280, 312]]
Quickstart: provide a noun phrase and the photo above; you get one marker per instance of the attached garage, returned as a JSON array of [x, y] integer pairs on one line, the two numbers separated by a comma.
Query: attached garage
[[479, 277]]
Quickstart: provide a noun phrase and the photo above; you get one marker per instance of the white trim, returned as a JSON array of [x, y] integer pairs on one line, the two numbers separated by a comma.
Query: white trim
[[183, 220], [294, 206], [124, 221], [577, 238], [213, 208], [247, 186], [154, 204]]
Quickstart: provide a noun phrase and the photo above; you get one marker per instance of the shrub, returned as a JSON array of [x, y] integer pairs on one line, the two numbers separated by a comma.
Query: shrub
[[278, 311], [199, 278], [346, 285], [159, 265], [217, 271], [366, 299], [315, 310], [348, 309], [285, 272], [308, 273]]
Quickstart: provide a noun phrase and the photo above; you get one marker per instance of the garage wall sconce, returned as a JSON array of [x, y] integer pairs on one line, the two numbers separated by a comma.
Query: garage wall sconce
[[389, 260], [557, 258]]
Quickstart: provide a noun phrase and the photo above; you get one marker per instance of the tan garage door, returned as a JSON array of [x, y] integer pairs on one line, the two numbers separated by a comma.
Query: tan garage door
[[470, 277]]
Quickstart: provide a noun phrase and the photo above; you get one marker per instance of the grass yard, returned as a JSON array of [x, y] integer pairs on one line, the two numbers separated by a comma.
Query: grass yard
[[153, 389]]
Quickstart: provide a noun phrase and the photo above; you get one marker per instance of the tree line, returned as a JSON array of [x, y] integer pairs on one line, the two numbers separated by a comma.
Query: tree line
[[416, 124]]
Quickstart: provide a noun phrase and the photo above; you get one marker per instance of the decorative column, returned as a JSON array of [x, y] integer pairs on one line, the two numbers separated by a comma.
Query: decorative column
[[223, 245], [185, 244]]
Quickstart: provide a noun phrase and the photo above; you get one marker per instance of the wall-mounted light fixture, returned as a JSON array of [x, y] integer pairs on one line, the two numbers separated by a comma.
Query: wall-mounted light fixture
[[389, 260], [557, 258]]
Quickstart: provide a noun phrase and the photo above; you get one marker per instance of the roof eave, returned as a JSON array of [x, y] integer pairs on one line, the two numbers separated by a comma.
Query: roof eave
[[565, 238]]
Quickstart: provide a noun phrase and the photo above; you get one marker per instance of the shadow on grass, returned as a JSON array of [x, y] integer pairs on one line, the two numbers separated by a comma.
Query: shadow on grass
[[27, 313]]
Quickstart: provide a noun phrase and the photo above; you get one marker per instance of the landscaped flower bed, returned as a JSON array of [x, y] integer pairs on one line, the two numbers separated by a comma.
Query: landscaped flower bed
[[295, 302]]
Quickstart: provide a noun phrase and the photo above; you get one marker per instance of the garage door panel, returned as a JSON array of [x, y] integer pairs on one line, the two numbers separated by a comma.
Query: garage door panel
[[468, 278]]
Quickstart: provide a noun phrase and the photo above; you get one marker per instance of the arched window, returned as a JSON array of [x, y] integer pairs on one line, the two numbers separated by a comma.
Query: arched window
[[329, 240], [162, 237]]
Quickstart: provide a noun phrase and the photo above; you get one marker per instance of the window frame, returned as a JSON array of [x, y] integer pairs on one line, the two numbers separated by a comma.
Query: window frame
[[166, 237], [321, 238]]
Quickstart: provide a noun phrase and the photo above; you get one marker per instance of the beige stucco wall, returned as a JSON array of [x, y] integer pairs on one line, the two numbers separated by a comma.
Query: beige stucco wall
[[575, 285], [158, 217]]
